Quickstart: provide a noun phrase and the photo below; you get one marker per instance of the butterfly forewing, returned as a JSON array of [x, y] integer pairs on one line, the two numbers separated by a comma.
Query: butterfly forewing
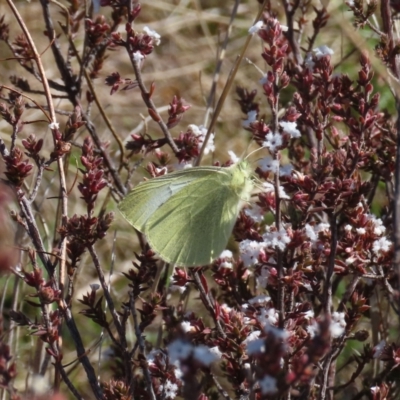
[[194, 225], [148, 196]]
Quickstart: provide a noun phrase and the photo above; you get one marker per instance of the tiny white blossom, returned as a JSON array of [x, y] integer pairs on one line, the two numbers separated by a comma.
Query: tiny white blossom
[[54, 125], [179, 350], [226, 308], [153, 34], [201, 132], [277, 332], [138, 56], [256, 347], [170, 389], [226, 254], [253, 336], [233, 157], [268, 317], [290, 128], [284, 28], [269, 187], [309, 314], [182, 165], [338, 324], [256, 213], [39, 384], [312, 230], [323, 51], [350, 260], [262, 279], [226, 257], [375, 389], [186, 326], [272, 141], [361, 231], [379, 228], [262, 298], [151, 356], [322, 227], [269, 164], [381, 245], [310, 233], [161, 171], [251, 117], [350, 3], [178, 371], [247, 367], [348, 228], [226, 264], [250, 251], [279, 239], [285, 170], [308, 62], [204, 355], [378, 349], [268, 385], [177, 288], [256, 27], [216, 351], [313, 329]]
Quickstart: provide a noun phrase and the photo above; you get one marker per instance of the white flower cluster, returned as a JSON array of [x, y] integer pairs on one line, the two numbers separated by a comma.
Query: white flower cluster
[[251, 117], [312, 231], [226, 257], [269, 187], [169, 389], [338, 324], [250, 250], [277, 239], [290, 128], [255, 212], [268, 164], [323, 51], [201, 132], [153, 34], [273, 141], [180, 350], [381, 244]]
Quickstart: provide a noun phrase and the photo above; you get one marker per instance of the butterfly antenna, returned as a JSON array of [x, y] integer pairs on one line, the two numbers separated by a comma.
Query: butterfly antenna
[[254, 151]]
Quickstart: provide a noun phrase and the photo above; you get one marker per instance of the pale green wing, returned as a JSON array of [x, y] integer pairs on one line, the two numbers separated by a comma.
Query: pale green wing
[[193, 226], [147, 197]]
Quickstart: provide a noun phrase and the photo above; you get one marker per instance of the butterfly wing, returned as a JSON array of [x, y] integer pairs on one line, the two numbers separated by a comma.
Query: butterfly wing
[[193, 226], [138, 206]]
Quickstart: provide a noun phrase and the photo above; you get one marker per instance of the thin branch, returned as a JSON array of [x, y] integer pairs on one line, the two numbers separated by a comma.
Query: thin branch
[[227, 88], [139, 336]]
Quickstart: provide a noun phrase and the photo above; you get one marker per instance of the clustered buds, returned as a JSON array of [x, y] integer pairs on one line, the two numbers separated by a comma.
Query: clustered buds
[[17, 169], [97, 31], [175, 112], [115, 81], [14, 117], [85, 230], [93, 180]]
